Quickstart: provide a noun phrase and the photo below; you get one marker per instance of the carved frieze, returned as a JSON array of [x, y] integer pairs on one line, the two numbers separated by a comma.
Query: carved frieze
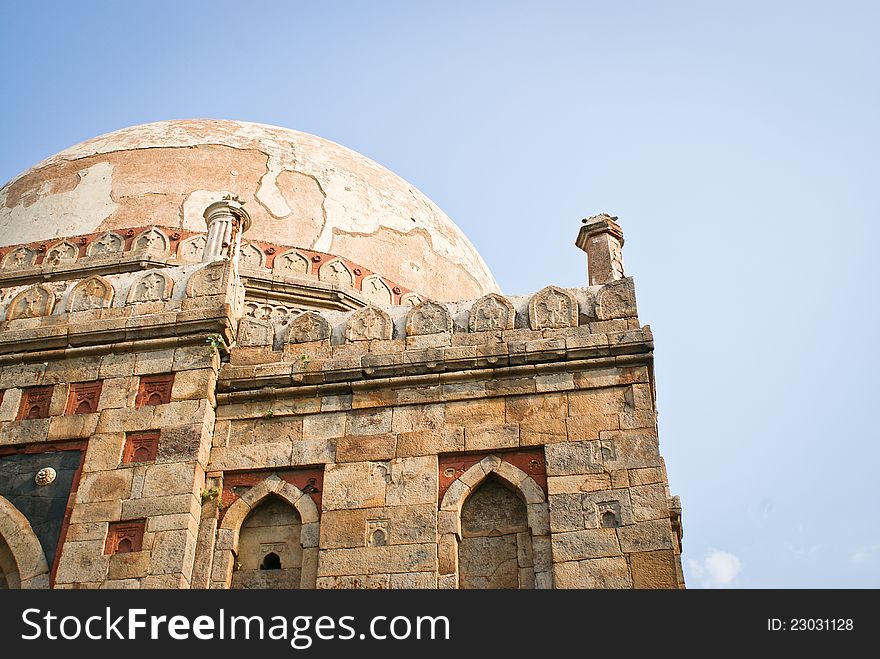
[[490, 313], [33, 302], [192, 249], [91, 293], [151, 240], [152, 287], [428, 318], [551, 308], [336, 272], [251, 257], [20, 257], [291, 263], [307, 327], [368, 324], [63, 252], [209, 280], [376, 290], [107, 244]]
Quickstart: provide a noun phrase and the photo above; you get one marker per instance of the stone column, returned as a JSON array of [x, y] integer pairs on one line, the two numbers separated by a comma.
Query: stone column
[[602, 239], [227, 220]]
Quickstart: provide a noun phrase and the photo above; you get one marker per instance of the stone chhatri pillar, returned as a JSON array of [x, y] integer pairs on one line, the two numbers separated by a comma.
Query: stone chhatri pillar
[[602, 239], [227, 220]]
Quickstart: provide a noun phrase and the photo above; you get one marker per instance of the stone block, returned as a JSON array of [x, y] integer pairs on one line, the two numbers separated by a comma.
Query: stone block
[[430, 442], [413, 481], [130, 565], [165, 505], [645, 476], [566, 513], [151, 362], [411, 418], [78, 426], [491, 437], [654, 569], [582, 428], [571, 458], [536, 408], [173, 552], [589, 543], [101, 511], [104, 451], [378, 560], [593, 573], [118, 392], [638, 419], [10, 403], [86, 531], [27, 431], [554, 382], [172, 478], [251, 456], [542, 431], [418, 580], [197, 383], [198, 356], [366, 447], [646, 536], [591, 402], [83, 561], [183, 443], [369, 422], [577, 484], [340, 403], [324, 426], [104, 486], [475, 412], [312, 451], [649, 502], [355, 485], [363, 582]]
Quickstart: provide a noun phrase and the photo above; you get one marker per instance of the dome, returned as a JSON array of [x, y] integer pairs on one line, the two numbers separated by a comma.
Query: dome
[[299, 190]]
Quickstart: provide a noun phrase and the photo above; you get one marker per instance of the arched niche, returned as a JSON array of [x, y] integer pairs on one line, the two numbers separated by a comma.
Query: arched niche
[[269, 547], [272, 513], [22, 560], [494, 529], [495, 550]]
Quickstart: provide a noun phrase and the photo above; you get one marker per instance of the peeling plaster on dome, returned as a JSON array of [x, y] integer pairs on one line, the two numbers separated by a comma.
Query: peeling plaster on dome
[[90, 198], [299, 189]]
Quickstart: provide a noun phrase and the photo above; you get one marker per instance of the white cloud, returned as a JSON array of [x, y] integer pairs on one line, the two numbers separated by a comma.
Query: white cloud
[[865, 556], [718, 569]]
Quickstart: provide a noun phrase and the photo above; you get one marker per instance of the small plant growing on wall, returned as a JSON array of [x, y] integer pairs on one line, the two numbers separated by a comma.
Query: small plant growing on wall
[[212, 494]]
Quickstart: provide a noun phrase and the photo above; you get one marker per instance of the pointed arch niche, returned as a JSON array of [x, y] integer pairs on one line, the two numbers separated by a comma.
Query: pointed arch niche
[[268, 538], [22, 561], [494, 525]]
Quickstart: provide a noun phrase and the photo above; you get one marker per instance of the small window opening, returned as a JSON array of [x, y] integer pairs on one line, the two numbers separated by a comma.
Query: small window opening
[[271, 562]]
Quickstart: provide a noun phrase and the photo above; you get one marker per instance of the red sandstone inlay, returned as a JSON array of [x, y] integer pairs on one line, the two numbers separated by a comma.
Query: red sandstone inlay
[[35, 403], [531, 461], [83, 398], [154, 390], [125, 537], [140, 447]]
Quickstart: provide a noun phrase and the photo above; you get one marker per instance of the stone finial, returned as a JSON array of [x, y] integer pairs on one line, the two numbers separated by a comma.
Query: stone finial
[[227, 220], [602, 239]]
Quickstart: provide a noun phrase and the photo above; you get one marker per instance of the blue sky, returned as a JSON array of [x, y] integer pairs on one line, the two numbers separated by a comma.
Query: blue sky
[[738, 143]]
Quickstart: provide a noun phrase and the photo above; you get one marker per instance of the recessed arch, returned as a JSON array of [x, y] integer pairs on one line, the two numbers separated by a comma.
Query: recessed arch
[[229, 530], [536, 514], [23, 546]]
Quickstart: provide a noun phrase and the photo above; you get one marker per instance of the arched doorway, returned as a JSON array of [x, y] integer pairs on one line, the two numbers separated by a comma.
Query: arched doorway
[[496, 545]]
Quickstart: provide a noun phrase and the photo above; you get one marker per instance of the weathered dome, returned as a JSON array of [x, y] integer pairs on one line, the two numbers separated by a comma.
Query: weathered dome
[[300, 190]]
